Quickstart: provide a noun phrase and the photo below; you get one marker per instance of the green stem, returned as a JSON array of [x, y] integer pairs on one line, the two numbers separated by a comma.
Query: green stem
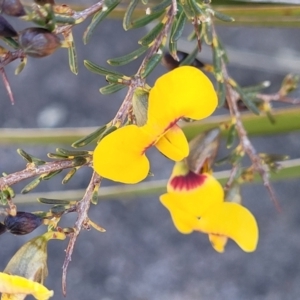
[[287, 120]]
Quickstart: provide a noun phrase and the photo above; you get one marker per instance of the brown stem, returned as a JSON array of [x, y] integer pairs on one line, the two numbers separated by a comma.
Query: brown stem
[[82, 219], [232, 98], [32, 171], [81, 16]]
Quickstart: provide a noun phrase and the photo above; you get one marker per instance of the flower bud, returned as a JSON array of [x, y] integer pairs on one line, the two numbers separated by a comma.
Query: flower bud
[[38, 42], [22, 223], [6, 30], [30, 262], [12, 8]]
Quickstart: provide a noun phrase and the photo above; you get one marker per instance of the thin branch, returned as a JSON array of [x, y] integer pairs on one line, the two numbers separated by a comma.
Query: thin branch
[[32, 171], [81, 16], [277, 97], [7, 86], [81, 222], [232, 98]]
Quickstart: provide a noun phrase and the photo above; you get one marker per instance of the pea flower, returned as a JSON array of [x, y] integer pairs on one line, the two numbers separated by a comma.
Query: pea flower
[[13, 286], [196, 203], [183, 92], [27, 270]]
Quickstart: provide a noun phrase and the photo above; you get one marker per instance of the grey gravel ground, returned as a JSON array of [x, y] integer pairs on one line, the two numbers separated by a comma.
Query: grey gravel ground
[[142, 256]]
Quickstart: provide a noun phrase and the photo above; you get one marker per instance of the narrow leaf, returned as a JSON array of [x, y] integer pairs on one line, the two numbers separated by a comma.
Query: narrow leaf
[[111, 88], [30, 186], [99, 70], [223, 17], [161, 6], [152, 63], [123, 60], [70, 174], [128, 14], [98, 17], [151, 35], [145, 20], [176, 34], [89, 138], [53, 201]]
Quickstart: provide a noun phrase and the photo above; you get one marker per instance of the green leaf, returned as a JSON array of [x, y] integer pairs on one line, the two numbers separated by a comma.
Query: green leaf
[[127, 24], [231, 136], [30, 186], [72, 153], [145, 20], [53, 201], [196, 8], [176, 34], [70, 174], [223, 17], [111, 88], [73, 58], [99, 17], [161, 6], [49, 175], [99, 70], [11, 42], [247, 100], [152, 63], [89, 138], [207, 30], [123, 60], [221, 90], [151, 35], [107, 132]]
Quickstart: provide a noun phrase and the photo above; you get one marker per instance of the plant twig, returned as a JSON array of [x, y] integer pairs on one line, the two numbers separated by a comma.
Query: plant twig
[[82, 222], [32, 171], [232, 97], [81, 16]]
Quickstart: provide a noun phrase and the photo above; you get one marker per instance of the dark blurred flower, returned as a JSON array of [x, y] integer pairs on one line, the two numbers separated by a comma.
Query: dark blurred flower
[[12, 8], [22, 223], [38, 42]]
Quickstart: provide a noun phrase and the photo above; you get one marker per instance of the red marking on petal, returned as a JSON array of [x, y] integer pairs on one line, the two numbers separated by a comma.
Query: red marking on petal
[[188, 181]]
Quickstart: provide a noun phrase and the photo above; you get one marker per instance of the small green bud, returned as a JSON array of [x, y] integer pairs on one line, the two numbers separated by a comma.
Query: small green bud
[[38, 42], [22, 223], [12, 8], [140, 106]]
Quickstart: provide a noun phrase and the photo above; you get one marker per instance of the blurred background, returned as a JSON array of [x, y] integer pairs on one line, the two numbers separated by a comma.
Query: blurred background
[[142, 256]]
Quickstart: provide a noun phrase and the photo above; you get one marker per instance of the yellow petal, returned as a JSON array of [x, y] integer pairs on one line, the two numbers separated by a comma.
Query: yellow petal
[[198, 192], [11, 284], [173, 144], [120, 156], [183, 221], [233, 221], [182, 92], [218, 242]]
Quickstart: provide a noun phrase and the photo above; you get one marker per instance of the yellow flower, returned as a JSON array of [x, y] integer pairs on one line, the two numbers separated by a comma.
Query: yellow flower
[[196, 203], [183, 92], [12, 286]]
